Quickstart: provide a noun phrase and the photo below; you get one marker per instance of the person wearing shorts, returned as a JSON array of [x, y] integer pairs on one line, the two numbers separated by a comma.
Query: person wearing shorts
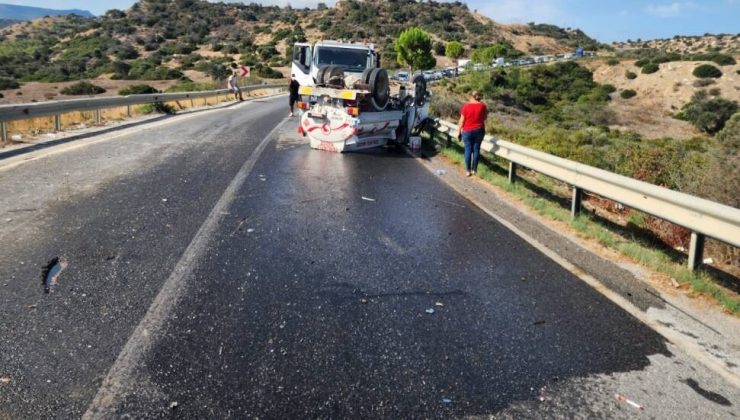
[[234, 87]]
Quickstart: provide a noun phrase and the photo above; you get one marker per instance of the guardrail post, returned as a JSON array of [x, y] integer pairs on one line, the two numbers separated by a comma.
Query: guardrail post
[[128, 111], [4, 132], [575, 204], [512, 172], [57, 122], [696, 250], [205, 101], [97, 116], [192, 104]]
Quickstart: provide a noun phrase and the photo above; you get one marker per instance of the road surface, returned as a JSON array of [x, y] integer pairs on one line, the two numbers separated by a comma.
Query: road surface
[[219, 268]]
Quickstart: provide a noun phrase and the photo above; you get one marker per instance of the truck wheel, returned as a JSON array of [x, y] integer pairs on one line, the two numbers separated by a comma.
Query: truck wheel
[[366, 75], [380, 88], [320, 75], [334, 76]]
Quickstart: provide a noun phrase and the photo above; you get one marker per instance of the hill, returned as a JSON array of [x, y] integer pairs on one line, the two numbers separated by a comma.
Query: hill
[[171, 39], [15, 12], [723, 43], [7, 22]]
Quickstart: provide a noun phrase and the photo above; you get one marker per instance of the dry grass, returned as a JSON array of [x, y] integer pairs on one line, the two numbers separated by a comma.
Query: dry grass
[[659, 96]]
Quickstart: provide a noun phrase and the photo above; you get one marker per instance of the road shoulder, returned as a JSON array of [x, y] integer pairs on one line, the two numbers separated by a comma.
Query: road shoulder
[[700, 329]]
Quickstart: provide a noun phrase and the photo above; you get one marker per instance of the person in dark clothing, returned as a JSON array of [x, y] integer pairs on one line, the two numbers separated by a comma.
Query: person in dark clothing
[[293, 88]]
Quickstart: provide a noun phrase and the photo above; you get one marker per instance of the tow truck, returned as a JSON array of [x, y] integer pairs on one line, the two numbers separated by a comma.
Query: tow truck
[[348, 103]]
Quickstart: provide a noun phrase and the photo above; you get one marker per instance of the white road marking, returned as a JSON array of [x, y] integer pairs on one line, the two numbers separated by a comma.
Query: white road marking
[[118, 381]]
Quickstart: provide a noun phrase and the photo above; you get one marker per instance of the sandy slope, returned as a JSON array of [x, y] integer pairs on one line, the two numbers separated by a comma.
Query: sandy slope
[[660, 95]]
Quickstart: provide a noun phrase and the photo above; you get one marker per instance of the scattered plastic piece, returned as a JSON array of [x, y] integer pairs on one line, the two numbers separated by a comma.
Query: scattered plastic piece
[[440, 304], [250, 230], [440, 172], [16, 137], [5, 380], [446, 400], [621, 397], [173, 405], [430, 311], [675, 283], [368, 199], [164, 200], [708, 261], [363, 301], [52, 271]]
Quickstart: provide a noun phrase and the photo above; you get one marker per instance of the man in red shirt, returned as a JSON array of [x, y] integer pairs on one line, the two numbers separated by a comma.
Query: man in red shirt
[[472, 129]]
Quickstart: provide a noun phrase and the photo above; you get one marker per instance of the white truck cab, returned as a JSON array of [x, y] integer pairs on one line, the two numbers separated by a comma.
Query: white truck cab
[[353, 58]]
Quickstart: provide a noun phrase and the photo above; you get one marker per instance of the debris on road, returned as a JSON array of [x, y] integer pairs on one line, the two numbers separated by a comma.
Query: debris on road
[[5, 380], [52, 271], [446, 400], [173, 405], [675, 283], [367, 198], [621, 397], [538, 322], [708, 261], [250, 230], [440, 172], [430, 311], [440, 304], [363, 301], [239, 226], [164, 200]]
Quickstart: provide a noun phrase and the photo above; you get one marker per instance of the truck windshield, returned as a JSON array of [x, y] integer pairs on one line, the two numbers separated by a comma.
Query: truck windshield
[[349, 59]]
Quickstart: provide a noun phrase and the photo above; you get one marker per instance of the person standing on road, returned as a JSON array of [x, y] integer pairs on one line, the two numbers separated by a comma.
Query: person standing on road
[[234, 87], [472, 125], [293, 88]]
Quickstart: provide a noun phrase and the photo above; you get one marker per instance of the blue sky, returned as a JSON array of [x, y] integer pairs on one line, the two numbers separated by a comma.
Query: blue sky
[[606, 20]]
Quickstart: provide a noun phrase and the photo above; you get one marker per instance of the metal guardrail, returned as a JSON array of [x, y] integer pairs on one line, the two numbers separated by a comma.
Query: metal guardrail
[[703, 217], [16, 112]]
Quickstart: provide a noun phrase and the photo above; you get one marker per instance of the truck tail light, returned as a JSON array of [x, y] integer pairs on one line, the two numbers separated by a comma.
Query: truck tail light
[[353, 111]]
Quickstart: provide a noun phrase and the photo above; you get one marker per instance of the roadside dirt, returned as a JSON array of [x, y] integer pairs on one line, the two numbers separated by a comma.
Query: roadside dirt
[[660, 95]]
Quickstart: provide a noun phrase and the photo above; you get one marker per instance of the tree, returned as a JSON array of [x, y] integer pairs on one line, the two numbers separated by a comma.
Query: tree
[[414, 48], [454, 50]]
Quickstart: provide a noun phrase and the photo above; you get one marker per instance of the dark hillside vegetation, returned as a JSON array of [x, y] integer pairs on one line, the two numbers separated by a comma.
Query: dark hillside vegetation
[[160, 39]]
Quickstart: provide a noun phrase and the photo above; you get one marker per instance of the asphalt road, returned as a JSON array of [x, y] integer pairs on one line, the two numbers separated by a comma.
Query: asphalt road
[[322, 286]]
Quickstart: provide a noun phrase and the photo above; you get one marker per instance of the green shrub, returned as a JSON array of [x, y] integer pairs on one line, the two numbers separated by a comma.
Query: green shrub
[[708, 115], [158, 107], [137, 90], [650, 68], [608, 88], [630, 75], [705, 71], [6, 83], [612, 62], [82, 88], [628, 93], [716, 57], [267, 72], [642, 62]]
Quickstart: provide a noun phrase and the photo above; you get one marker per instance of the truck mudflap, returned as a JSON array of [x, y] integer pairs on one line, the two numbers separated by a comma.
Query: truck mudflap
[[332, 129]]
